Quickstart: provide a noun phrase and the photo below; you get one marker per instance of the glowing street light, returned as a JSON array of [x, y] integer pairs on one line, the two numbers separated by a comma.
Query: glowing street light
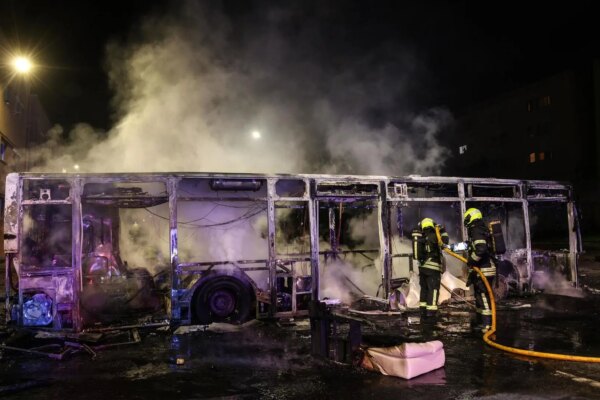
[[256, 135], [22, 65]]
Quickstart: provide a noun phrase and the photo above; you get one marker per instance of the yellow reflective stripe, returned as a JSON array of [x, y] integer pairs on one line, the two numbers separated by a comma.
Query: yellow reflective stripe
[[415, 252], [422, 304], [486, 312], [475, 257], [488, 271], [486, 307], [432, 308], [417, 234], [480, 241], [435, 293], [445, 234], [431, 262], [430, 267]]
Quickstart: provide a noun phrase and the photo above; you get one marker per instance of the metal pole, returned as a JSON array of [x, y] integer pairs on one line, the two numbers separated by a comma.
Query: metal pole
[[384, 238], [529, 276], [271, 193], [76, 223], [572, 243], [7, 286], [332, 235], [173, 250], [313, 221]]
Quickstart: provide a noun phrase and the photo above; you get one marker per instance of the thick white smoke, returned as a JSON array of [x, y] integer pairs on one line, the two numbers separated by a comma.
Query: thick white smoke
[[197, 92], [193, 86]]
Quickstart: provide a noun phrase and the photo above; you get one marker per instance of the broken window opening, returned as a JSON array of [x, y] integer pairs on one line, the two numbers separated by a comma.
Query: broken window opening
[[432, 189], [549, 226], [47, 237], [46, 190], [406, 216], [290, 188], [506, 191], [125, 252], [350, 253]]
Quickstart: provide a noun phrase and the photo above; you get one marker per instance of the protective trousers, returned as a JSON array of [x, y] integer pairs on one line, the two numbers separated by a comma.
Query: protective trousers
[[483, 302], [430, 280]]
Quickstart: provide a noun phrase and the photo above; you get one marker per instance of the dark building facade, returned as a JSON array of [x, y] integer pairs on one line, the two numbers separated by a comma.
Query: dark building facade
[[547, 130], [23, 124]]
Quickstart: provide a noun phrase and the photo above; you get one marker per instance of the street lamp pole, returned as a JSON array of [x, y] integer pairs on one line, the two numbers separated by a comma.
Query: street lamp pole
[[23, 67]]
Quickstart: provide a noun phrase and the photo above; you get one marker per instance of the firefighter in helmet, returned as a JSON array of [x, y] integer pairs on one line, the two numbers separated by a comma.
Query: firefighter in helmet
[[428, 252], [480, 255]]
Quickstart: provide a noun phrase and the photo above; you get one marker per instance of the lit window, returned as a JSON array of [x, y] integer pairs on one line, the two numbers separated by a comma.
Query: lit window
[[531, 158], [2, 150], [545, 101], [462, 149], [541, 156]]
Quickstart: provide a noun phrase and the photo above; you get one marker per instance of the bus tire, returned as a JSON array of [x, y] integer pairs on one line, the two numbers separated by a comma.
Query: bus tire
[[223, 298]]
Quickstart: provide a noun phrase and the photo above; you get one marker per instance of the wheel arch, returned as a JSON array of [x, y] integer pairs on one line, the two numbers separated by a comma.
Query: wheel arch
[[229, 277]]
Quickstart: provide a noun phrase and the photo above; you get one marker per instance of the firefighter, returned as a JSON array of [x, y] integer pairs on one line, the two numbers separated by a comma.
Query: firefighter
[[428, 252], [479, 255]]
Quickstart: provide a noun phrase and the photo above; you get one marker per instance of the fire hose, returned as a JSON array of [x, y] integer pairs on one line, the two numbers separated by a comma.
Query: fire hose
[[490, 332]]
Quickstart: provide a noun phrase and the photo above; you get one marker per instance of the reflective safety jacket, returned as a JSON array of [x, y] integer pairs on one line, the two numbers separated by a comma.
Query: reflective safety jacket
[[480, 254], [426, 249]]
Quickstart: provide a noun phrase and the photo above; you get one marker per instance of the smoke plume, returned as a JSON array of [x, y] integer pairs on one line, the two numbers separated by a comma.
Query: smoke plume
[[274, 90]]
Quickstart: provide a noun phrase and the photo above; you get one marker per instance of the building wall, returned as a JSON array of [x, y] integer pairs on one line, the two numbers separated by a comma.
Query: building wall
[[13, 120], [23, 124], [547, 130]]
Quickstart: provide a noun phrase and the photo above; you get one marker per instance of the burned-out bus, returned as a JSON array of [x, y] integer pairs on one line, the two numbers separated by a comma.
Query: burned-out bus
[[87, 250]]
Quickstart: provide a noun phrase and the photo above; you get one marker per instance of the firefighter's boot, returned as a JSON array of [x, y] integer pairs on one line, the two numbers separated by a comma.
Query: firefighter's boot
[[486, 323], [431, 315], [476, 323]]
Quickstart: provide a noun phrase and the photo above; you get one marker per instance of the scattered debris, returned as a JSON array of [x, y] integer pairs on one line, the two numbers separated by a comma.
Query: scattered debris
[[66, 343], [216, 327], [591, 289]]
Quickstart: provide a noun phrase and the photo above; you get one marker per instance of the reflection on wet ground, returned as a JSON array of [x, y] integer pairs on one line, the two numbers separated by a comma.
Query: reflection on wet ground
[[272, 361]]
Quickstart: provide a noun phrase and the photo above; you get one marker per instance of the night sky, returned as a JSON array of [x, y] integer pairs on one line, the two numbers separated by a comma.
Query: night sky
[[465, 51]]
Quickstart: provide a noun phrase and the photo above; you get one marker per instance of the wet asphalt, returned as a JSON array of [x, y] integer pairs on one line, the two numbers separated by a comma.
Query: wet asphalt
[[273, 361]]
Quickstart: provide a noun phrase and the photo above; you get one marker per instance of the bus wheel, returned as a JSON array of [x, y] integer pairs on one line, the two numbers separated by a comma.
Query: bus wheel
[[223, 299], [500, 288], [507, 280]]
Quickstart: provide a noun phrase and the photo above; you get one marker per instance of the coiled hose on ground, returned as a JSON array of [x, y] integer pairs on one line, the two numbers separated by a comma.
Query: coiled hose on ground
[[489, 333]]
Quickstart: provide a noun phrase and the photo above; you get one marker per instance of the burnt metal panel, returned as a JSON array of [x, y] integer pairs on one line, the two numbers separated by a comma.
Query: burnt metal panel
[[11, 213], [347, 188], [313, 216], [463, 208], [573, 248], [173, 251], [332, 233], [271, 243], [7, 288], [528, 242], [76, 191], [384, 239]]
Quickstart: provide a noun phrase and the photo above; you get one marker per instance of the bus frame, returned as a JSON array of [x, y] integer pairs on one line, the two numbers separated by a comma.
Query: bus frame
[[63, 286]]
